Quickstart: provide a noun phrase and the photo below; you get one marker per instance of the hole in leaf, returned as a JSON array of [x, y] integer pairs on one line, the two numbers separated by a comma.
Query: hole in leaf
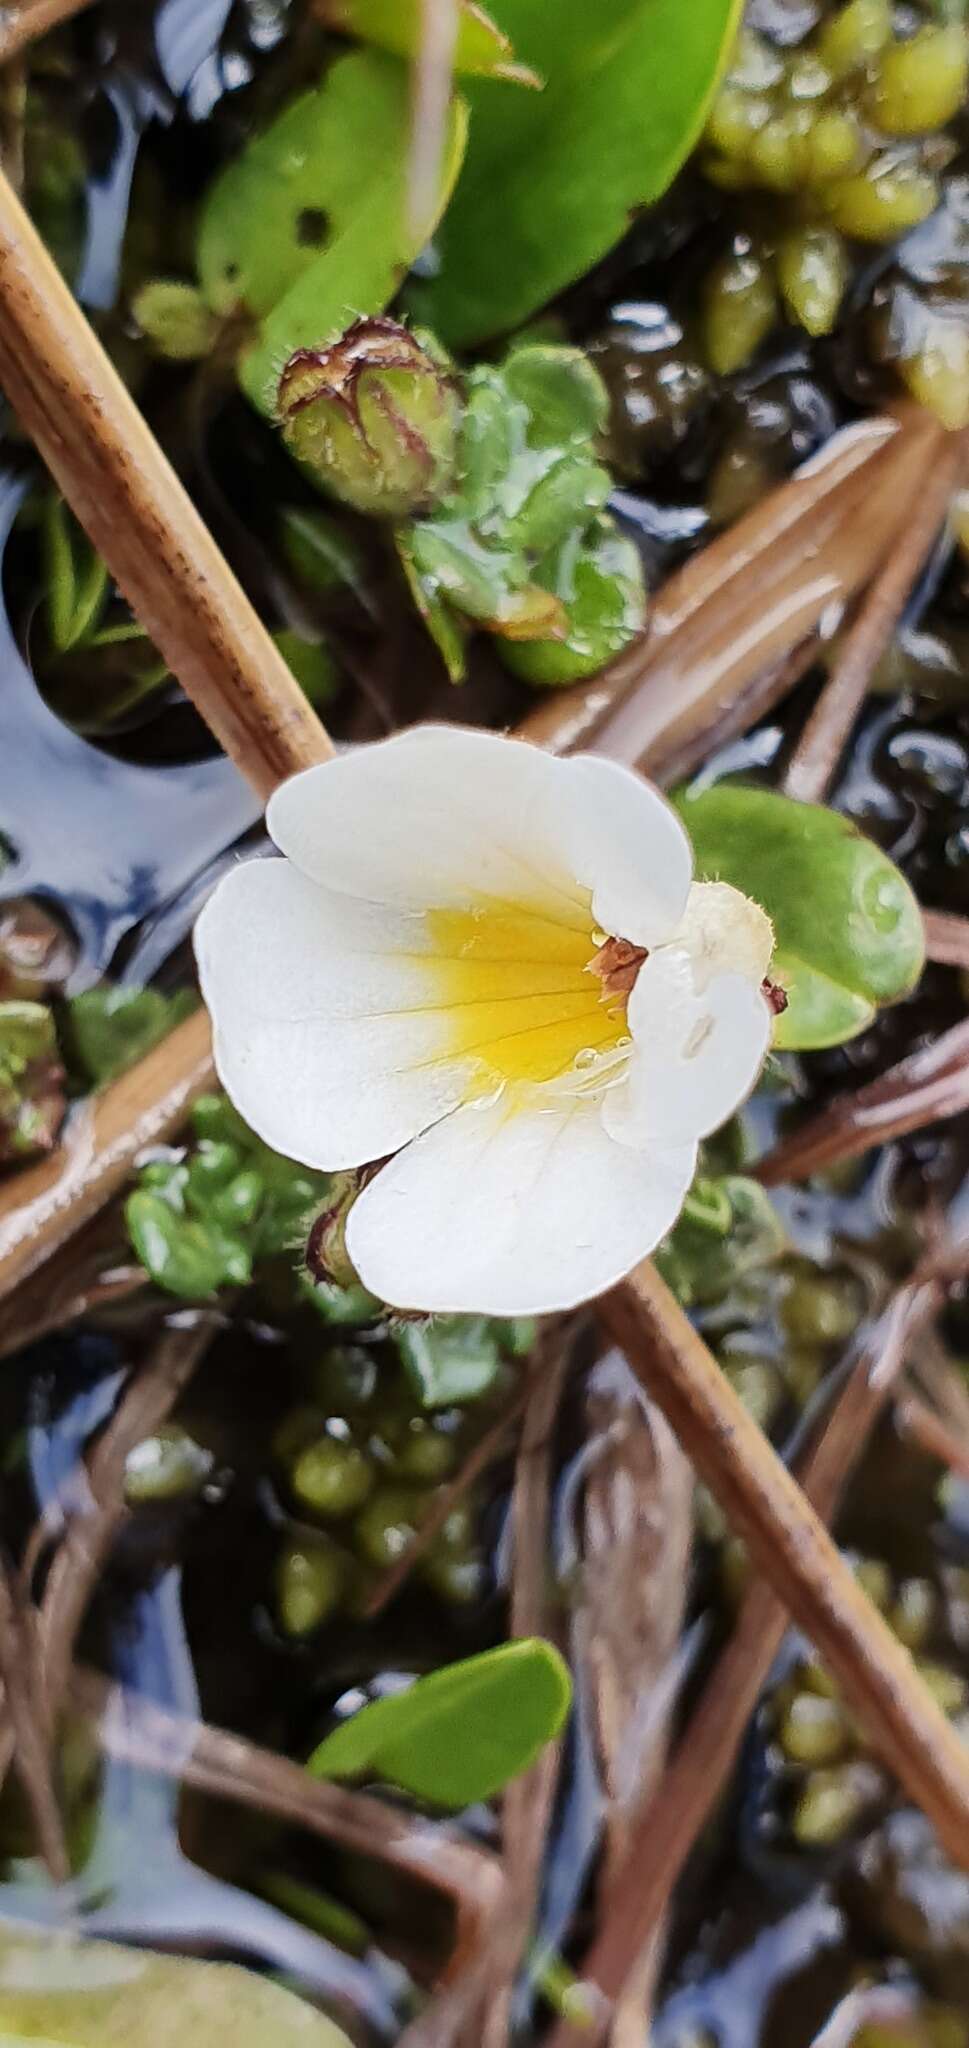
[[312, 227]]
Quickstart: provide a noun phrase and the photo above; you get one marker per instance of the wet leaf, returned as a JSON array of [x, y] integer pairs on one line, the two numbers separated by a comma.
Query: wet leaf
[[460, 1734], [522, 546], [311, 662], [107, 1029], [310, 226], [175, 319], [203, 1219], [77, 579], [481, 49], [848, 930], [91, 1994], [727, 1228], [598, 583], [450, 1358], [323, 554], [550, 179], [32, 1101]]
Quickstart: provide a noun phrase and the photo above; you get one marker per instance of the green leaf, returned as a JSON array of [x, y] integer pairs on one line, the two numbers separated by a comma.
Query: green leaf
[[77, 579], [598, 581], [310, 226], [322, 553], [107, 1029], [59, 1993], [186, 1257], [175, 319], [450, 1358], [727, 1228], [311, 662], [550, 180], [522, 545], [460, 1734], [396, 25], [848, 930]]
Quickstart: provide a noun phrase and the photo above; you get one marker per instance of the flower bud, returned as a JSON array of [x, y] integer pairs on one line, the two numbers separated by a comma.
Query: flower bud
[[326, 1256], [375, 415]]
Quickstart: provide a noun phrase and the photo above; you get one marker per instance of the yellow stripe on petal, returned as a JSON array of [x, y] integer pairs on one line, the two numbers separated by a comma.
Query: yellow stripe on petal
[[517, 993]]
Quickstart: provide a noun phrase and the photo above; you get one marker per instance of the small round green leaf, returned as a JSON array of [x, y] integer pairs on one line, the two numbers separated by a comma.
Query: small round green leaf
[[459, 1735], [59, 1993], [848, 930]]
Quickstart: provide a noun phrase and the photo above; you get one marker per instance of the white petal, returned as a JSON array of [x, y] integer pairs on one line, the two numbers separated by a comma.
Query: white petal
[[438, 816], [324, 1039], [725, 932], [513, 1210], [443, 816], [631, 850], [696, 1056]]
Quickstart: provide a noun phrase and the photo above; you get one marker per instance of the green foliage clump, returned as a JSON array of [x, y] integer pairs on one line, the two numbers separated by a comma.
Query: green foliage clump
[[523, 546], [202, 1219], [32, 1099]]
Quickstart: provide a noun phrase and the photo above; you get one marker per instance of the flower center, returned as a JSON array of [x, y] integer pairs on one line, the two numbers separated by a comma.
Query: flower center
[[522, 991]]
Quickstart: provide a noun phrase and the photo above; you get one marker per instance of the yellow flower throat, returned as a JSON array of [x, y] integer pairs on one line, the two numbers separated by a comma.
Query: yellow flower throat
[[519, 988]]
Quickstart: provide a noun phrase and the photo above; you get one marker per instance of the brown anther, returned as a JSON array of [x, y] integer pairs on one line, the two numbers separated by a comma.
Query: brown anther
[[775, 997], [617, 964]]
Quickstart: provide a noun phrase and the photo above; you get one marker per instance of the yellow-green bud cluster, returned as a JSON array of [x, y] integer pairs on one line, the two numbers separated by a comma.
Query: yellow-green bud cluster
[[845, 129], [358, 1468], [828, 1782]]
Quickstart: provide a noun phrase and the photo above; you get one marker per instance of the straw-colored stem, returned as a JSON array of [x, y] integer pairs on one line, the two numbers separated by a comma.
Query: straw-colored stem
[[825, 736], [929, 1084], [42, 1207], [739, 607], [24, 24], [71, 401], [947, 938], [672, 1819], [792, 1548]]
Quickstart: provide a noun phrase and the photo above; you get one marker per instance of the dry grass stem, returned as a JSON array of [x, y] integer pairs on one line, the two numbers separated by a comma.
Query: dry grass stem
[[790, 1545], [79, 1561], [71, 401], [638, 1532], [739, 607], [25, 1728], [44, 1206], [526, 1806], [669, 1824], [828, 729], [947, 938], [96, 1271], [930, 1084], [229, 1767], [23, 21], [433, 72], [482, 1454], [933, 1435]]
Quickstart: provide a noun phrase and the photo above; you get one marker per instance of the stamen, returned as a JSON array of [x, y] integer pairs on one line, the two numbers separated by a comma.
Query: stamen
[[617, 965], [775, 997]]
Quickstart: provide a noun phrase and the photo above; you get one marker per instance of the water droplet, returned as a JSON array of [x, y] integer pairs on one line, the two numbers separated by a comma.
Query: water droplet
[[588, 1057]]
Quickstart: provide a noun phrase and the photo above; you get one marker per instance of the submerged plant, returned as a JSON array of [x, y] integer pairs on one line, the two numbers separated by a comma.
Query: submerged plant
[[845, 131]]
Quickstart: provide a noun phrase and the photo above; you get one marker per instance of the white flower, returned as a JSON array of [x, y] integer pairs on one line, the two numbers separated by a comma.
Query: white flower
[[427, 974]]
